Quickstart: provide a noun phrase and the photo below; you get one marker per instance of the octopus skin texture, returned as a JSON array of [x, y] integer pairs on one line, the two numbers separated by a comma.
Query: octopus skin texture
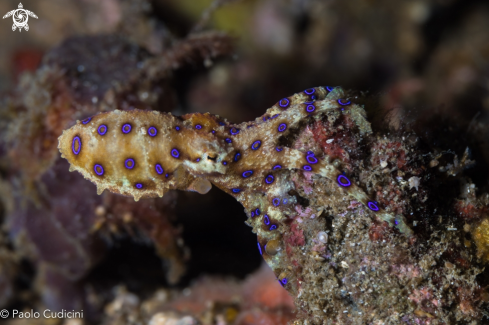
[[144, 154]]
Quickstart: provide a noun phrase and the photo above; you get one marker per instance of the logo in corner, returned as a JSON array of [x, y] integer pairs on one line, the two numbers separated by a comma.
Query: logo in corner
[[20, 16]]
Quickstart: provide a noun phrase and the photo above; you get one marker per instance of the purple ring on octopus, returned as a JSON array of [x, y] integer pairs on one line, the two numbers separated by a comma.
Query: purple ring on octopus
[[330, 89], [98, 169], [259, 249], [343, 180], [175, 153], [129, 163], [85, 121], [256, 145], [307, 168], [269, 179], [310, 108], [279, 149], [277, 167], [284, 281], [284, 103], [236, 190], [311, 159], [247, 173], [257, 211], [76, 139], [102, 129], [234, 131], [266, 220], [177, 128], [126, 128], [282, 127], [309, 91], [373, 206], [272, 227], [237, 157], [198, 126], [348, 102], [228, 140], [276, 202], [139, 186], [159, 169], [152, 131]]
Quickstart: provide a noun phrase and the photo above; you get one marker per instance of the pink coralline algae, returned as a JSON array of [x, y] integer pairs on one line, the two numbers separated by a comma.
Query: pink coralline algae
[[308, 168]]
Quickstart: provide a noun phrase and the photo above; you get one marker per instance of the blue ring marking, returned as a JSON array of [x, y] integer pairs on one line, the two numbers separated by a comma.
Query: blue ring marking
[[197, 160], [396, 222], [139, 186], [166, 175], [373, 206], [222, 123], [102, 129], [307, 167], [330, 89], [313, 97], [285, 201], [259, 249], [266, 220], [177, 128], [310, 153], [126, 128], [213, 132], [284, 102], [75, 139], [310, 108], [236, 190], [277, 167], [224, 163], [234, 131], [159, 169], [276, 202], [284, 281], [252, 214], [85, 121], [175, 153], [269, 179], [247, 173], [264, 118], [311, 159], [237, 157], [256, 145], [274, 116], [198, 126], [282, 127], [96, 171], [346, 182], [309, 91], [343, 104], [129, 160], [279, 149], [272, 227], [228, 140], [152, 131], [257, 211]]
